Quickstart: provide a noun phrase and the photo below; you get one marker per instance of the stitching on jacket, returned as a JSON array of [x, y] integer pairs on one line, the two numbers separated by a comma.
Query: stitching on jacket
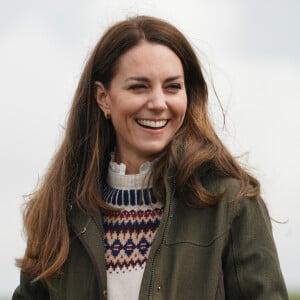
[[207, 244], [236, 267]]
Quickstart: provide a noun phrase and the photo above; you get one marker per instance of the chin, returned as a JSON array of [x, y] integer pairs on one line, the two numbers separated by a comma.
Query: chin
[[153, 150]]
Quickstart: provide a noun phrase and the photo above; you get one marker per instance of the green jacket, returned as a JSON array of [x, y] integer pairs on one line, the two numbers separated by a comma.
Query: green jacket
[[219, 252]]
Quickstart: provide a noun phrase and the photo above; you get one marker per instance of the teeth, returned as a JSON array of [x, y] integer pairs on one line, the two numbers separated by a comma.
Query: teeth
[[153, 124]]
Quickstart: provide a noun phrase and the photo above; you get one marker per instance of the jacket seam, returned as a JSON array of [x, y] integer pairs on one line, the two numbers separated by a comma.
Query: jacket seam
[[163, 238], [199, 244], [237, 267]]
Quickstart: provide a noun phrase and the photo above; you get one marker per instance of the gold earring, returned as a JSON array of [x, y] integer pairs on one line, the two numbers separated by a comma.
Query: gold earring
[[107, 115]]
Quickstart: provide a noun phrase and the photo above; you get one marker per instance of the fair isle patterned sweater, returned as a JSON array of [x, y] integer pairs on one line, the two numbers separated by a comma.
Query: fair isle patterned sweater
[[130, 231]]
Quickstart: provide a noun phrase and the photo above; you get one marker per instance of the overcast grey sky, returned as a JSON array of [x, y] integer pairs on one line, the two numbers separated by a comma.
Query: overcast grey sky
[[250, 49]]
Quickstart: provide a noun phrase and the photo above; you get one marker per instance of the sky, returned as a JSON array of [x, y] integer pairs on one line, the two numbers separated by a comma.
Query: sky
[[250, 51]]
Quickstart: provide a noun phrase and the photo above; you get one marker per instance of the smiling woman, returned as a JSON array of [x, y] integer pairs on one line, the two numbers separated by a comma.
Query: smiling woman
[[142, 199], [150, 77]]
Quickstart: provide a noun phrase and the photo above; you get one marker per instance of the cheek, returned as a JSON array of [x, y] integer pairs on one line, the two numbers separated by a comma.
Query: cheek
[[184, 107], [180, 108]]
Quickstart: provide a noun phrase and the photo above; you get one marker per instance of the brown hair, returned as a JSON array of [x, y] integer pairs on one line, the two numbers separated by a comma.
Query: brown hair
[[80, 164]]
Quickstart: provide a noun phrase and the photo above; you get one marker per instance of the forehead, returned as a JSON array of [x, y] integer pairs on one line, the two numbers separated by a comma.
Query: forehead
[[149, 58]]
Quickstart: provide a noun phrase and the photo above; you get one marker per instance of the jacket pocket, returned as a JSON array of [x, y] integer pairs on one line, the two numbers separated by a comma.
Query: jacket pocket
[[199, 227]]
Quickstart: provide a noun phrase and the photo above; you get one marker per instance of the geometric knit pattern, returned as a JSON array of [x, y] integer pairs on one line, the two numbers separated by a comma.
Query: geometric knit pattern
[[129, 232], [124, 198]]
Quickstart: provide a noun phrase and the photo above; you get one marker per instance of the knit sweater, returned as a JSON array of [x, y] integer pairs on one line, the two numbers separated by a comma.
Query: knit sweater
[[129, 232]]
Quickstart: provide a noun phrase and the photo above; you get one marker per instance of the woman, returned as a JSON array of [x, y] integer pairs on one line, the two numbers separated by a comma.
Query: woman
[[142, 200]]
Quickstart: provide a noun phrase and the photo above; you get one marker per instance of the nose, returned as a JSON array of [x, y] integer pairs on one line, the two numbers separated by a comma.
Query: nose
[[157, 100]]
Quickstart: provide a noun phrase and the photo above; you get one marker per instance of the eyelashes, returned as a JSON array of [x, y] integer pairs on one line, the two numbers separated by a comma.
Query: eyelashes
[[137, 87], [141, 87], [175, 86]]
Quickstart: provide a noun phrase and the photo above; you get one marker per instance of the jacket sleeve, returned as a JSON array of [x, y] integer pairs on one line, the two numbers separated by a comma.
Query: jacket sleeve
[[28, 290], [251, 266]]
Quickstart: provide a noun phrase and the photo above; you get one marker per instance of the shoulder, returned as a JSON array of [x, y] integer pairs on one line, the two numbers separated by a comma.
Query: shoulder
[[246, 212], [240, 222], [229, 188], [224, 215]]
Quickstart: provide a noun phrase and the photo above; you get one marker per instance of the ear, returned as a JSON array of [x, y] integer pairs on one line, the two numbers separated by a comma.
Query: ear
[[101, 96]]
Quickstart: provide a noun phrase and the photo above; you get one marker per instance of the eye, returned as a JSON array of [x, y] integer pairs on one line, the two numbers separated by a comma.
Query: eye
[[137, 87], [174, 87]]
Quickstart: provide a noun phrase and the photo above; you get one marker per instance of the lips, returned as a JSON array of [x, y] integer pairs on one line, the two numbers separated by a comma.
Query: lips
[[152, 124]]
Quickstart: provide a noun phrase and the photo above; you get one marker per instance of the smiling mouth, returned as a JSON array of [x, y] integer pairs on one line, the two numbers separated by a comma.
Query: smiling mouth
[[152, 124]]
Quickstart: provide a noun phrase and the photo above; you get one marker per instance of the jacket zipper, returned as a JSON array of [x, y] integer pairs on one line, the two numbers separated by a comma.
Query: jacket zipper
[[171, 191], [101, 231]]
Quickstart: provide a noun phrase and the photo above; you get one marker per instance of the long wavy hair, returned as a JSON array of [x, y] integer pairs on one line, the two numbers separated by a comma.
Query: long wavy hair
[[80, 164]]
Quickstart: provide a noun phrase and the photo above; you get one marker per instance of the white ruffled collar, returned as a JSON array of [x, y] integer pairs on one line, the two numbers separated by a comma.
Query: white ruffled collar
[[118, 178]]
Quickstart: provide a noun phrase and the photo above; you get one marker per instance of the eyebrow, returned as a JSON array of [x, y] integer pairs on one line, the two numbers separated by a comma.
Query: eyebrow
[[145, 79]]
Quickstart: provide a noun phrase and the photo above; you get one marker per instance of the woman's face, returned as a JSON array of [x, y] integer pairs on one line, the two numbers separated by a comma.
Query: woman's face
[[147, 101]]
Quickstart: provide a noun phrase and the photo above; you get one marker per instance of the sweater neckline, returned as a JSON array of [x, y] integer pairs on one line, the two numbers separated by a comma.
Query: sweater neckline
[[118, 179]]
